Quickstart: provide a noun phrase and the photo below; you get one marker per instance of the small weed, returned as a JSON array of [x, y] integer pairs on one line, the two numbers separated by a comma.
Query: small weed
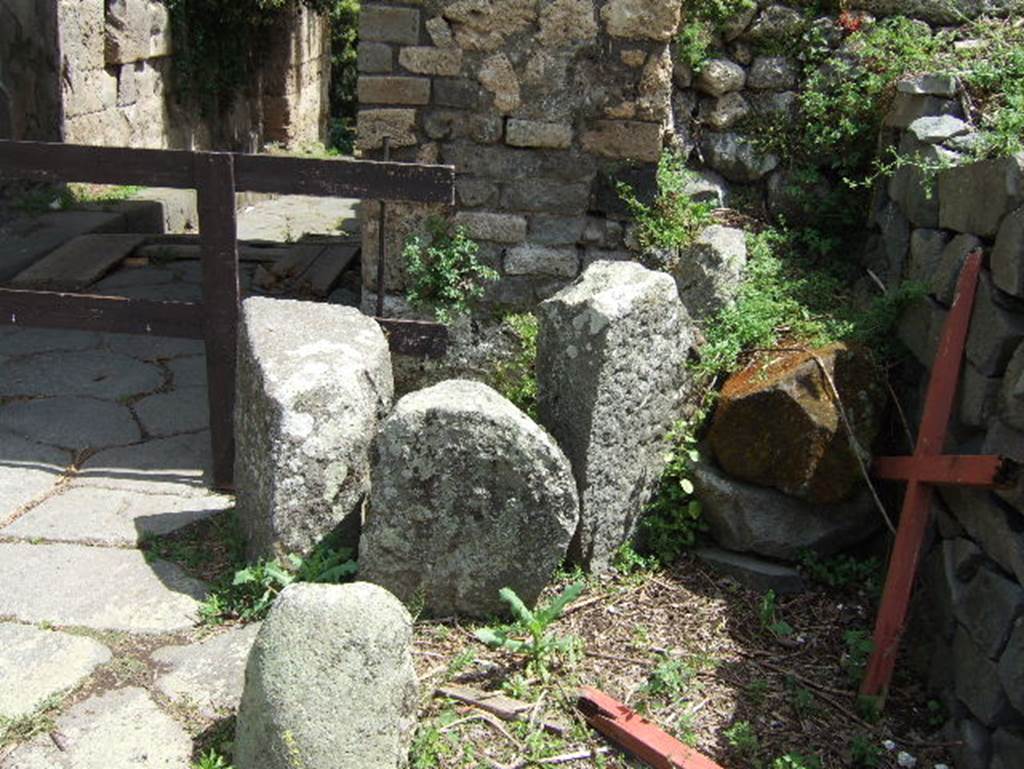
[[705, 19], [674, 218], [796, 761], [865, 753], [757, 691], [629, 563], [460, 662], [743, 739], [212, 760], [14, 730], [843, 571], [936, 714], [802, 701], [540, 646], [672, 521], [686, 729], [858, 649], [444, 273], [771, 621], [516, 377]]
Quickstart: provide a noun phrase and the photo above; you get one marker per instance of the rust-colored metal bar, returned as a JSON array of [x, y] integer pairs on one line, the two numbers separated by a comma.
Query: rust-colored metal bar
[[637, 735], [215, 187], [947, 469], [916, 515]]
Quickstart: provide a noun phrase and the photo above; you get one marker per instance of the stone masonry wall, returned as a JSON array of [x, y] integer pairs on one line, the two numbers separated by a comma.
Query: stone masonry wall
[[29, 71], [115, 83], [542, 105], [969, 628]]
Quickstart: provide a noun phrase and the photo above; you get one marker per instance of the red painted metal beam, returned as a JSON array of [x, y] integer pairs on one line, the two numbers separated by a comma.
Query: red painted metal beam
[[637, 735], [916, 515], [947, 469]]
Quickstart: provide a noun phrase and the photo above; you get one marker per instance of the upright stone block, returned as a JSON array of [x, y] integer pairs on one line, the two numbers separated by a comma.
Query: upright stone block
[[469, 496], [313, 382], [330, 682], [610, 373], [975, 197]]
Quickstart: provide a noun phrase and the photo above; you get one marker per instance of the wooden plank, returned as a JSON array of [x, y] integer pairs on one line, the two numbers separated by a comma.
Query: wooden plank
[[113, 314], [627, 729], [52, 162], [946, 469], [323, 275], [917, 504], [78, 263], [170, 252], [346, 178], [415, 337], [214, 175]]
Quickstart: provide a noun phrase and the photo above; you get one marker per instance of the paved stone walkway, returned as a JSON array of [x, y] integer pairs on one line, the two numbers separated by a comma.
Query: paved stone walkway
[[103, 443]]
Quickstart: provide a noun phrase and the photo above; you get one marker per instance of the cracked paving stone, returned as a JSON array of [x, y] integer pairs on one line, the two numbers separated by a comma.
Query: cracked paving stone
[[99, 373], [175, 465], [37, 664], [29, 341], [209, 674], [71, 422], [115, 730], [150, 348], [183, 410], [28, 470], [112, 516], [189, 372], [96, 587]]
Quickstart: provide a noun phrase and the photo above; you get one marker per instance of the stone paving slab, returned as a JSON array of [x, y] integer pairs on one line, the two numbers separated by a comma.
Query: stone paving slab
[[28, 470], [188, 372], [71, 422], [112, 517], [152, 347], [121, 729], [130, 277], [30, 237], [293, 216], [37, 664], [209, 675], [169, 292], [98, 373], [175, 465], [27, 341], [182, 410], [96, 587]]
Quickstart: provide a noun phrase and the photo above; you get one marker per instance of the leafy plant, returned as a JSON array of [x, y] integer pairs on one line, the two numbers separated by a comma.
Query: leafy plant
[[865, 753], [704, 20], [628, 562], [212, 760], [672, 520], [444, 273], [24, 728], [539, 646], [673, 219], [770, 617], [858, 649], [842, 571], [248, 595], [516, 377], [796, 761], [743, 739]]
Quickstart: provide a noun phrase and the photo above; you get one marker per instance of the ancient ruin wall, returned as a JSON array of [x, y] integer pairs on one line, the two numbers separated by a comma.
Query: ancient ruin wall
[[969, 625], [92, 72]]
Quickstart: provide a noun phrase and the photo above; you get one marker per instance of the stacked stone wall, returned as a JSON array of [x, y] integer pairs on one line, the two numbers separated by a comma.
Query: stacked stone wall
[[92, 72], [969, 628], [543, 106]]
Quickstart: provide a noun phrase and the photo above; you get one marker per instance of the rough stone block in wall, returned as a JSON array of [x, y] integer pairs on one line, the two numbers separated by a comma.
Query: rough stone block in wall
[[82, 35], [499, 228], [736, 158], [975, 197], [89, 92], [978, 396], [992, 523], [425, 60], [533, 133], [313, 382], [1008, 254], [142, 82], [542, 260], [398, 125], [641, 19], [996, 329], [624, 139], [1011, 398], [946, 273], [389, 24], [375, 57], [926, 247], [987, 609], [906, 108], [977, 682], [375, 89], [136, 30], [1011, 669], [402, 220], [545, 197], [456, 92], [611, 372]]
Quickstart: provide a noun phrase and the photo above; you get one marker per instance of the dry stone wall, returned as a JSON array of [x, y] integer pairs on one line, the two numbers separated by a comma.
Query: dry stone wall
[[97, 72], [970, 617]]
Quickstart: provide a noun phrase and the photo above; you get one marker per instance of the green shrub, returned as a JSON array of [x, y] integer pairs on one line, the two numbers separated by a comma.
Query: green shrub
[[703, 21], [672, 520], [674, 218], [516, 376], [444, 274]]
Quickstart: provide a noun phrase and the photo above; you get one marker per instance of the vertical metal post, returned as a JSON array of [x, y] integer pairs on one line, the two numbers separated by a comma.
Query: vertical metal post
[[381, 242], [215, 188]]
